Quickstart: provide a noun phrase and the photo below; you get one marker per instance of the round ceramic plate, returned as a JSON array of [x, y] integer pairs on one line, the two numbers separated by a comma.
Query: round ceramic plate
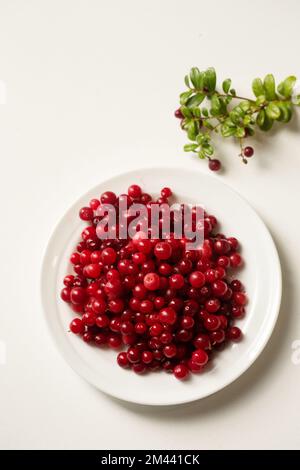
[[261, 276]]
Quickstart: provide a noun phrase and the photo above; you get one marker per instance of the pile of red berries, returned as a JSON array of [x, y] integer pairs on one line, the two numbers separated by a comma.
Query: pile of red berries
[[170, 307]]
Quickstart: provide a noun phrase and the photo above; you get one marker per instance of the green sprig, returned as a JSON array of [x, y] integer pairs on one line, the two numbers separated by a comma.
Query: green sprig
[[205, 110]]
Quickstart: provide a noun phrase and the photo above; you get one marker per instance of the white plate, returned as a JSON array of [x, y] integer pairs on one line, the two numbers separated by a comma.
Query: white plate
[[261, 276]]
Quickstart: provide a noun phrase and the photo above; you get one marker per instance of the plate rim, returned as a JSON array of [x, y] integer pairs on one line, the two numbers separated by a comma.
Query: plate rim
[[276, 302]]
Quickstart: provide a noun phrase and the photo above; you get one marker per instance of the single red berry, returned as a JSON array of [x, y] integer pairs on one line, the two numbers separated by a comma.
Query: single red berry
[[77, 326], [152, 281], [163, 250], [176, 281], [178, 114], [108, 198], [197, 279], [235, 260], [92, 271], [170, 351], [122, 360], [200, 357], [212, 305], [108, 255], [168, 315], [147, 357], [134, 191], [214, 164], [86, 213], [94, 204], [102, 321], [65, 294], [78, 295], [248, 152], [240, 298], [212, 322], [166, 193], [181, 371], [234, 333], [133, 355]]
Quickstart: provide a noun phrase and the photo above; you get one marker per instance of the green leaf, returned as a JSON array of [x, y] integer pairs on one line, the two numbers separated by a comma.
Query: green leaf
[[187, 81], [196, 112], [285, 88], [210, 79], [261, 99], [269, 87], [195, 100], [245, 105], [215, 105], [208, 150], [232, 92], [190, 147], [185, 96], [200, 138], [267, 122], [240, 132], [201, 154], [207, 124], [186, 112], [250, 131], [296, 100], [286, 111], [192, 130], [227, 131], [204, 112], [260, 118], [196, 78], [226, 85], [273, 111], [257, 87]]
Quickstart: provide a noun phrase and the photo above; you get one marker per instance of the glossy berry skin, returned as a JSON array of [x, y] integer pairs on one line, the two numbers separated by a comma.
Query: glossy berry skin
[[197, 279], [219, 288], [168, 315], [200, 357], [77, 295], [65, 294], [234, 333], [86, 213], [212, 305], [166, 193], [94, 204], [134, 191], [214, 164], [181, 372], [114, 341], [147, 357], [92, 271], [248, 152], [240, 298], [212, 322], [235, 260], [176, 281], [133, 355], [108, 256], [163, 250], [108, 198], [170, 351], [76, 326], [152, 281], [123, 360], [178, 114], [202, 341]]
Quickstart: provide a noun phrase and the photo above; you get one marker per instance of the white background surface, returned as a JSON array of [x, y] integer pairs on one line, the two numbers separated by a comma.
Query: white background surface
[[91, 88]]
